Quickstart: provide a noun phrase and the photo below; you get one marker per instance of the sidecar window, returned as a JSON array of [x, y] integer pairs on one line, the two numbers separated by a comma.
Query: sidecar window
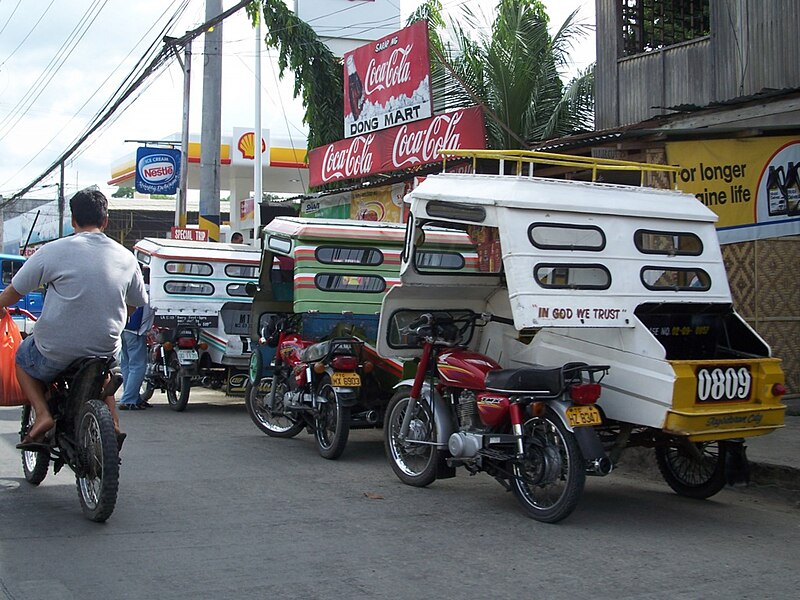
[[473, 250], [399, 335], [188, 268], [189, 288], [455, 211], [334, 282], [668, 243], [674, 279], [243, 271], [572, 276], [562, 236], [335, 255]]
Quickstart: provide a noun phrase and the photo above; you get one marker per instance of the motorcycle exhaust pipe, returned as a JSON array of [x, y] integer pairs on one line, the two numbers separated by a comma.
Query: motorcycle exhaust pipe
[[371, 417], [601, 466]]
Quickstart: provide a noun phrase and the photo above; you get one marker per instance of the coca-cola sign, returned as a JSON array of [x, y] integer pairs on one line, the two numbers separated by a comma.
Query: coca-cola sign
[[398, 148], [387, 82]]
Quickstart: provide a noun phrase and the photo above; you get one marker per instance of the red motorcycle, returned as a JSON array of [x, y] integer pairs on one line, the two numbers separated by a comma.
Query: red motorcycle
[[315, 386], [530, 428]]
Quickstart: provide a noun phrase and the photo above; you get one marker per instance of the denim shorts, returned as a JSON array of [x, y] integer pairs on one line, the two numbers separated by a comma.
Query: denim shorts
[[34, 364]]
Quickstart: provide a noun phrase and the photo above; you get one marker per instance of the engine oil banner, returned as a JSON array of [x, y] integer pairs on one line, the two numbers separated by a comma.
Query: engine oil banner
[[753, 185], [387, 82]]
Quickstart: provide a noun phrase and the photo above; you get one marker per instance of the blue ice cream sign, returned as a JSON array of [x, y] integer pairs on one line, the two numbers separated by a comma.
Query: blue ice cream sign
[[157, 170]]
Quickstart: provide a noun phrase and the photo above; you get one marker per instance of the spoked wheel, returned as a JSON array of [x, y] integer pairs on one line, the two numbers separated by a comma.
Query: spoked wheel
[[413, 459], [274, 423], [549, 481], [34, 464], [694, 470], [98, 477], [332, 427], [177, 387]]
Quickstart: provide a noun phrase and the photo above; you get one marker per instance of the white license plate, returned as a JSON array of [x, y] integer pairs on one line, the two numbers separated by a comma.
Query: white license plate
[[186, 356]]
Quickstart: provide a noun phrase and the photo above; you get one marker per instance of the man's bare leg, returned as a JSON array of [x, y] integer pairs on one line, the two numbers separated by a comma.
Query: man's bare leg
[[34, 392], [111, 403]]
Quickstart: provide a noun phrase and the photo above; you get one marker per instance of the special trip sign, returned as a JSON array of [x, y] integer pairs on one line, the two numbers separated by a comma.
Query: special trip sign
[[398, 148], [157, 170], [387, 82]]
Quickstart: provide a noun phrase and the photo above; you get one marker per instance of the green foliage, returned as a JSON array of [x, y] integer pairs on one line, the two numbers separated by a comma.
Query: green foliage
[[509, 63], [123, 192], [318, 73]]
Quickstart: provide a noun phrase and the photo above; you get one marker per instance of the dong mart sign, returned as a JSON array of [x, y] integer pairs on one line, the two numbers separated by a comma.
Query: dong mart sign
[[387, 82], [399, 148]]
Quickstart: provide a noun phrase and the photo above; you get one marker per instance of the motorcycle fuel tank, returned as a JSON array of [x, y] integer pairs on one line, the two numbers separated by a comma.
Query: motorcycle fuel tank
[[465, 369], [291, 347]]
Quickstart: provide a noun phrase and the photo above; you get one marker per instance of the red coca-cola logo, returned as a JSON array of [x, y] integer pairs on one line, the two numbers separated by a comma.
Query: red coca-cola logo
[[393, 72], [354, 160], [412, 147]]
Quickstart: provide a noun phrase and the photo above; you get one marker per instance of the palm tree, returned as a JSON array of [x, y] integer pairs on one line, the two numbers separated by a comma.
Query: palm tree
[[511, 65]]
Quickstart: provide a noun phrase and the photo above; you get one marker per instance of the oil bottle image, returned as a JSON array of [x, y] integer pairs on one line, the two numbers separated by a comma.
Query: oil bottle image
[[776, 191], [793, 189], [355, 89]]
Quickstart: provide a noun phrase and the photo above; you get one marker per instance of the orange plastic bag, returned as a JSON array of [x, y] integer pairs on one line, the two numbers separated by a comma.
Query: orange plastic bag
[[10, 392]]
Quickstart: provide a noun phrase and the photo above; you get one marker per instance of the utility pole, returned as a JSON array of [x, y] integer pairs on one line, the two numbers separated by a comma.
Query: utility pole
[[186, 64], [257, 163], [210, 135]]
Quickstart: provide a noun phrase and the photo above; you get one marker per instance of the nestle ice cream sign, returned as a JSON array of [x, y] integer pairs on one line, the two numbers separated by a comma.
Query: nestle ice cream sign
[[387, 82], [157, 170]]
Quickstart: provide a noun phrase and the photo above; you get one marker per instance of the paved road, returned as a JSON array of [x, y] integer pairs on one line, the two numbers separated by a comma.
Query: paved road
[[210, 507]]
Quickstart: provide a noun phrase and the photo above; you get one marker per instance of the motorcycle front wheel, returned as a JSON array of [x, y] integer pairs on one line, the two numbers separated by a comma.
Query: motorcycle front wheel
[[97, 478], [697, 472], [275, 423], [332, 425], [413, 462], [177, 387], [34, 464], [549, 479]]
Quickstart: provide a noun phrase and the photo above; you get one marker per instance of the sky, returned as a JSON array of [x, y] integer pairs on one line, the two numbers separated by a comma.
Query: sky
[[60, 62]]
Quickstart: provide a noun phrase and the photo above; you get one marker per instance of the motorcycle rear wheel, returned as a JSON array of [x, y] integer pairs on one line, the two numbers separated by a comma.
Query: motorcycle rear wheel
[[690, 477], [549, 481], [34, 464], [332, 425], [177, 387], [98, 482], [414, 464], [274, 423]]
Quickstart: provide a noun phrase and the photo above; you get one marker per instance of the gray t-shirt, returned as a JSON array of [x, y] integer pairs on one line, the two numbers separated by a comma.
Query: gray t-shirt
[[90, 280]]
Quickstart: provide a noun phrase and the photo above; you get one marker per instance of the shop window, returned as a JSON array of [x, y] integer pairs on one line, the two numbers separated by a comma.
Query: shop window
[[649, 25], [469, 251]]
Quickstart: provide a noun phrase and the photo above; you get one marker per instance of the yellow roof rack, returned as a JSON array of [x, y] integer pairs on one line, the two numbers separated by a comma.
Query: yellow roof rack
[[531, 157]]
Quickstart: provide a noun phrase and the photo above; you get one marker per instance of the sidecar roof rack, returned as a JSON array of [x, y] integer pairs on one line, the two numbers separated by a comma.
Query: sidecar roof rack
[[531, 158]]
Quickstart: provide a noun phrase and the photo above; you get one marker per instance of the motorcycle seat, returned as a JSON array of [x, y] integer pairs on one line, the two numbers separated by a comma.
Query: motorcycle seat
[[320, 350], [535, 379]]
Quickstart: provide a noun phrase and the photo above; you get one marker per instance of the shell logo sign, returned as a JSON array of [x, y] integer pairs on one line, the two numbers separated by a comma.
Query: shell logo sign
[[244, 142]]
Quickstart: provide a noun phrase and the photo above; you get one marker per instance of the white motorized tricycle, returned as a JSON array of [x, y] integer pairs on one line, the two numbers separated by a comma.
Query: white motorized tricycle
[[561, 323]]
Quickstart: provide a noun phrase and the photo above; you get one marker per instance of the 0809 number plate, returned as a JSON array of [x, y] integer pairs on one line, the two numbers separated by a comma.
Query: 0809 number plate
[[724, 384]]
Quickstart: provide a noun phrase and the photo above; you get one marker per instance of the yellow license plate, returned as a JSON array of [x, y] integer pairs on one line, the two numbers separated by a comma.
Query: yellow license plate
[[346, 380], [582, 416]]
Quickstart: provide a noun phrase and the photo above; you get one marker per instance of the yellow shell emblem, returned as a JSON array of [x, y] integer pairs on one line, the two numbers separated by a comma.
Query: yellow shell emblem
[[247, 145]]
